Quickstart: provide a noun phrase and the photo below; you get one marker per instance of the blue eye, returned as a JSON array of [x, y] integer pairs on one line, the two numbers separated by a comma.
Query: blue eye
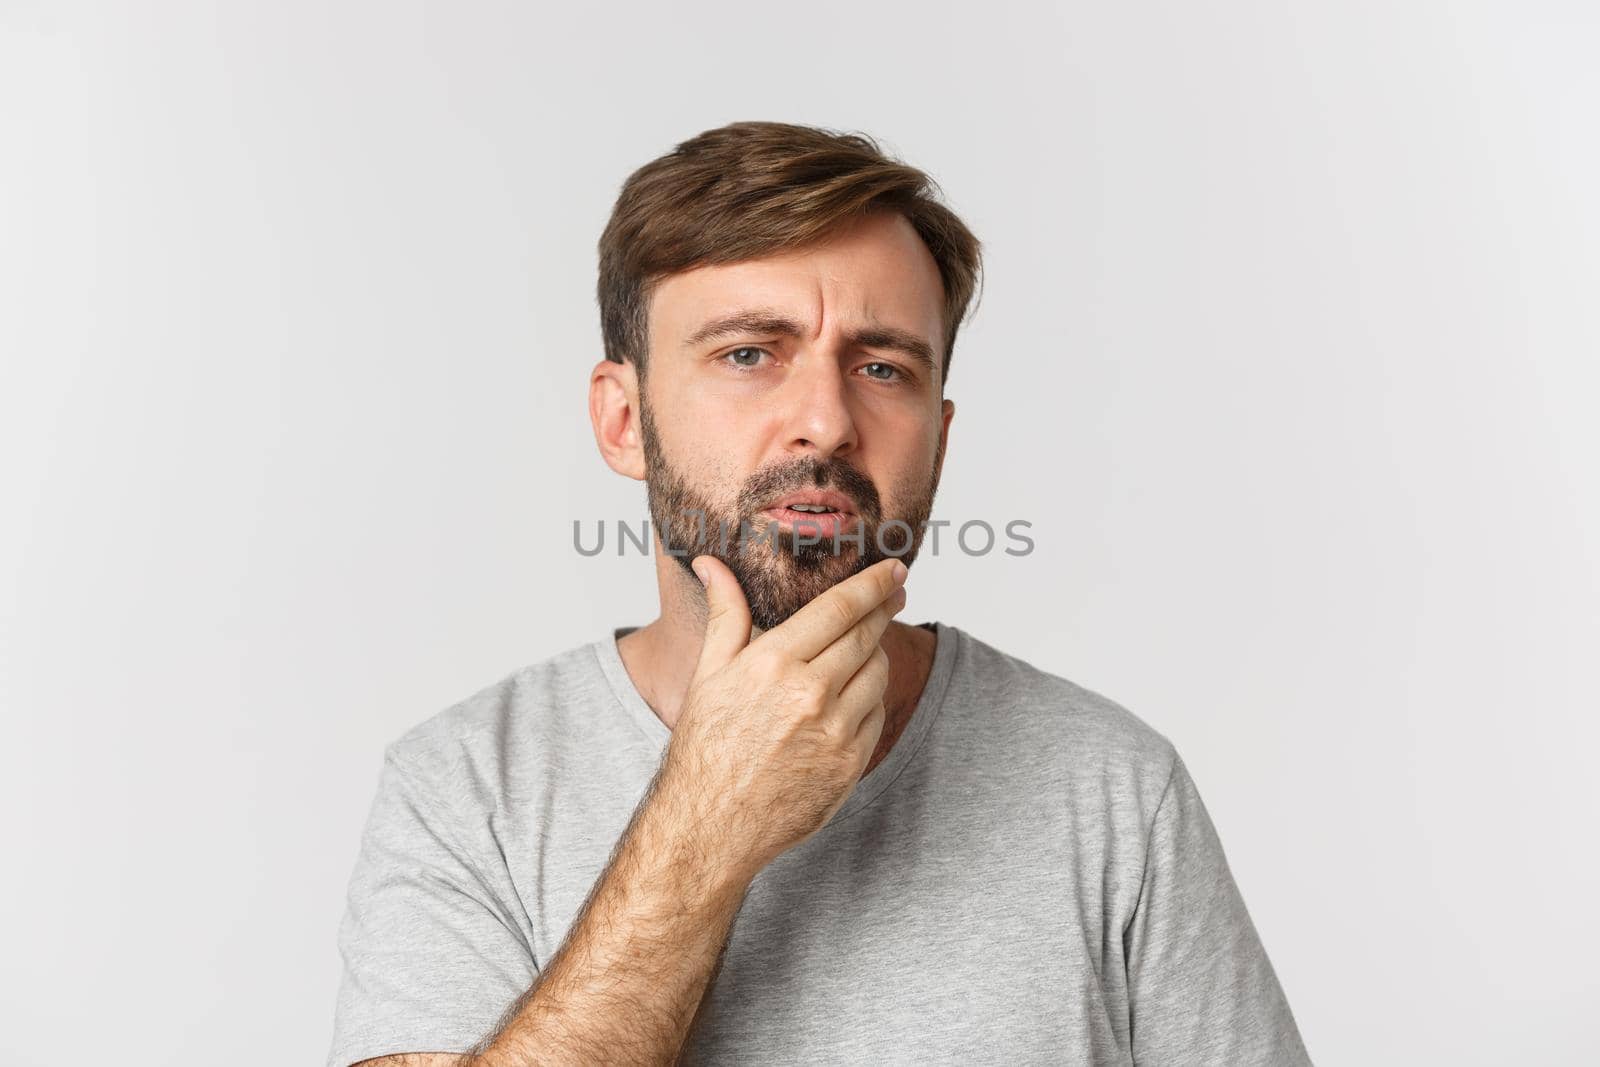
[[893, 372], [734, 356]]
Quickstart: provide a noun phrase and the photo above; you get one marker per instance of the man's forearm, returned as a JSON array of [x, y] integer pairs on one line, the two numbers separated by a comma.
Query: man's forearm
[[627, 982]]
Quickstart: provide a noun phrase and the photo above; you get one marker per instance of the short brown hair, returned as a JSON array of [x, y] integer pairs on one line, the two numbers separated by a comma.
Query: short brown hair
[[750, 189]]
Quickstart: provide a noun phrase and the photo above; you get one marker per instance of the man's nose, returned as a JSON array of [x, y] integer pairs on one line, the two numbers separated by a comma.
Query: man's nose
[[816, 406]]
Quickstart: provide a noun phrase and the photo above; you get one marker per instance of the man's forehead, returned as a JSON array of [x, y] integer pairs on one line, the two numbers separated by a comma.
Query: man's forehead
[[855, 284]]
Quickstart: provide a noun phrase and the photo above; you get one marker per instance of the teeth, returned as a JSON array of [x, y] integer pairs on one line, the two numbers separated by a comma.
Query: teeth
[[819, 508]]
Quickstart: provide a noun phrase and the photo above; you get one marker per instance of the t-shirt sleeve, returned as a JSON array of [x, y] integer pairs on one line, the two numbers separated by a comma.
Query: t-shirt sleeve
[[1200, 987], [432, 956]]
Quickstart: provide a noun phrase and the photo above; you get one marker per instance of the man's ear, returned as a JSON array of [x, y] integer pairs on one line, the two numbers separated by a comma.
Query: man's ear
[[614, 412], [949, 412]]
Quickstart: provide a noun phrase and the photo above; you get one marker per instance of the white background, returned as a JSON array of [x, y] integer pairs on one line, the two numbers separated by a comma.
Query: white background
[[1288, 350]]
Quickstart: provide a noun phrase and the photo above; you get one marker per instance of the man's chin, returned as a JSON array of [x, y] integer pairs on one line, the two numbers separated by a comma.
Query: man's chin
[[815, 566], [778, 584]]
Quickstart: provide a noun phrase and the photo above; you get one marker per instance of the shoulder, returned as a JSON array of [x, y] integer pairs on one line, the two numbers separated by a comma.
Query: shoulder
[[1071, 730], [532, 710]]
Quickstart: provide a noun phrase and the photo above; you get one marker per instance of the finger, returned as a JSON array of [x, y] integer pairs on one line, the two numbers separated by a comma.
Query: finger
[[864, 691], [832, 612], [727, 616], [852, 648], [870, 732]]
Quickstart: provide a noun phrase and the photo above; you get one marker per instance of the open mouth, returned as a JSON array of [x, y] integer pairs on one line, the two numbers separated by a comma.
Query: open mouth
[[824, 514], [824, 523]]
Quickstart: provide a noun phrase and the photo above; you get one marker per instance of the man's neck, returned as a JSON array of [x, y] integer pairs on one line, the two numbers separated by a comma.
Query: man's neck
[[660, 659]]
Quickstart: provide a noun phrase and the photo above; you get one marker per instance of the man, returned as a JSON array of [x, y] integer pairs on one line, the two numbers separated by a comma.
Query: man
[[775, 825]]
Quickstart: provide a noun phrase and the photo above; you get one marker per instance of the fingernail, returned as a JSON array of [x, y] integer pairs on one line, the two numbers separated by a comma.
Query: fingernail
[[899, 570], [698, 573]]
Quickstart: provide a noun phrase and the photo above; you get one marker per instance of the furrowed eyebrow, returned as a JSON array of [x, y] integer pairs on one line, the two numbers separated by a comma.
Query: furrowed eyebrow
[[765, 321], [906, 343], [757, 321]]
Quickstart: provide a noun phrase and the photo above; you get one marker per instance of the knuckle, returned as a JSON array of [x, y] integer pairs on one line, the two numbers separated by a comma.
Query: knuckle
[[840, 735], [862, 643], [765, 662], [805, 693], [880, 669], [813, 685]]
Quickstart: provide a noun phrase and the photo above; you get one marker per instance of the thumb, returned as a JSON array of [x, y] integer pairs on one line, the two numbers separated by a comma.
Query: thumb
[[727, 616]]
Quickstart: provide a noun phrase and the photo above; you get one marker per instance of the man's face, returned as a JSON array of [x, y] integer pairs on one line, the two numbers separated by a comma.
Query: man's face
[[812, 374]]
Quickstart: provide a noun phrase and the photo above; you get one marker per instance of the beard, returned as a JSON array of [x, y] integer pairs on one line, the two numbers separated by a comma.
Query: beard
[[779, 571]]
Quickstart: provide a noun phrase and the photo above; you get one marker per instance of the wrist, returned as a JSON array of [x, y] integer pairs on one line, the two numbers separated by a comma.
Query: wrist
[[689, 850]]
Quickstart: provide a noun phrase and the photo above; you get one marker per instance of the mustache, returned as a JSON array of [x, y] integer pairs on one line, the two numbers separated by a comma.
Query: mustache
[[804, 473]]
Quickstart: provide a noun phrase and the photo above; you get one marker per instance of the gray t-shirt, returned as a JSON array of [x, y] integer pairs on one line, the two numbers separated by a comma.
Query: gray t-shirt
[[1029, 877]]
